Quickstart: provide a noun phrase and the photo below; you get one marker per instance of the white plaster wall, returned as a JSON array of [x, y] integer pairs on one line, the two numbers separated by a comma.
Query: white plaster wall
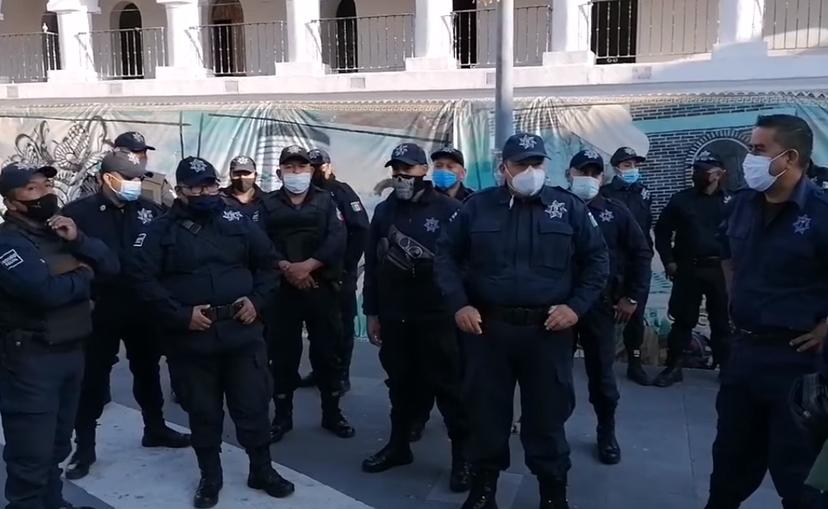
[[22, 16]]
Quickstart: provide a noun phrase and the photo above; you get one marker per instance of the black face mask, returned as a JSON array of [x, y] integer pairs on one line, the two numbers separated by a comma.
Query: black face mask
[[205, 204], [701, 180], [41, 209], [407, 187], [242, 185]]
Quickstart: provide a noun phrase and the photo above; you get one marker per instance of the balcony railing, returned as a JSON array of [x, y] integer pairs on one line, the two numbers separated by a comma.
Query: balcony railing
[[796, 25], [367, 43], [128, 53], [625, 31], [475, 36], [242, 49], [28, 57]]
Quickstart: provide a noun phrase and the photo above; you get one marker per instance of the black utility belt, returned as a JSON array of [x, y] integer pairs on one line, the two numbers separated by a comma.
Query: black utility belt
[[770, 336], [516, 315], [222, 313], [39, 342], [704, 261]]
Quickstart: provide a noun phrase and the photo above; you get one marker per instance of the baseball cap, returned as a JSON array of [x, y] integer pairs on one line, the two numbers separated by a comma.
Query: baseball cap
[[124, 162], [707, 161], [624, 154], [242, 163], [318, 157], [407, 153], [586, 158], [194, 171], [449, 152], [294, 152], [16, 175], [132, 141], [522, 146]]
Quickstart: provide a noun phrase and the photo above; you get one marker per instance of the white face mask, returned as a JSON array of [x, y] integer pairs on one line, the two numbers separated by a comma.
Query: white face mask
[[529, 182], [585, 188], [757, 172], [296, 183]]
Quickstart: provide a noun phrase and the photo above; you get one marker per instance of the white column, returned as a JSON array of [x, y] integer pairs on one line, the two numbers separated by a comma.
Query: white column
[[184, 52], [75, 45], [740, 29], [303, 40], [571, 33], [432, 37], [2, 16]]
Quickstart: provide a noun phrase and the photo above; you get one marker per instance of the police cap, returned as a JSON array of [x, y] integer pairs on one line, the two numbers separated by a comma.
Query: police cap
[[19, 174], [318, 157], [449, 152], [522, 146], [585, 158], [194, 171], [294, 153], [132, 141], [409, 154], [242, 163], [125, 163], [625, 154]]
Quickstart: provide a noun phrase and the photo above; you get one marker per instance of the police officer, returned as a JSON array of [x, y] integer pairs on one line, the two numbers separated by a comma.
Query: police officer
[[629, 280], [205, 271], [155, 186], [775, 247], [537, 263], [46, 271], [115, 215], [626, 187], [243, 193], [693, 262], [449, 173], [356, 224], [407, 316], [307, 230], [818, 174]]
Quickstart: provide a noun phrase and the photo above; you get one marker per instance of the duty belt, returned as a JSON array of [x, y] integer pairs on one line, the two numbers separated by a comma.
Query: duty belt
[[517, 315], [221, 313], [706, 261], [770, 336]]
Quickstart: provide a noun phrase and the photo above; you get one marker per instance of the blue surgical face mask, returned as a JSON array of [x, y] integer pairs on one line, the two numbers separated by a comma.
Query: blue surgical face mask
[[630, 176], [130, 190], [443, 179], [585, 188]]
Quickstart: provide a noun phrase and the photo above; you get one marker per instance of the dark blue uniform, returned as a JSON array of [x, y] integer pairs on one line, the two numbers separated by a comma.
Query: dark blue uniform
[[45, 313], [522, 256], [117, 316], [629, 276], [636, 197], [252, 209], [779, 291]]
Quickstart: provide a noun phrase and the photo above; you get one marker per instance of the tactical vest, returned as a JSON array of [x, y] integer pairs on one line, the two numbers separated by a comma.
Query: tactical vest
[[158, 190], [51, 327]]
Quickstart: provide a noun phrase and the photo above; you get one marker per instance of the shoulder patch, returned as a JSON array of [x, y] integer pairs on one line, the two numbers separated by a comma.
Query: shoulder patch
[[139, 240], [356, 206], [10, 259]]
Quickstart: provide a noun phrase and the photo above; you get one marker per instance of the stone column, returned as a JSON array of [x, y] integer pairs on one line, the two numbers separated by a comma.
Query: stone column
[[74, 25], [571, 33], [303, 40], [432, 37], [185, 57], [740, 29]]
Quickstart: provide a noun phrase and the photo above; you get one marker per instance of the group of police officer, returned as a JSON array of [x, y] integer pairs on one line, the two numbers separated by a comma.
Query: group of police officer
[[466, 293]]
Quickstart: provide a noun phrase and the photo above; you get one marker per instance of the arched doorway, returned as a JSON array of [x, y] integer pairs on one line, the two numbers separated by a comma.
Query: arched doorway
[[346, 36], [51, 42], [130, 41], [732, 152], [227, 37], [464, 23]]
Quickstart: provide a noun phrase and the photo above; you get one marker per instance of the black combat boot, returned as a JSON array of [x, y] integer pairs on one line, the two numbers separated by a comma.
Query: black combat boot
[[671, 374], [483, 490], [283, 421], [460, 470], [609, 452], [635, 371], [264, 477], [553, 494], [158, 434], [332, 418], [212, 480], [84, 456], [395, 454]]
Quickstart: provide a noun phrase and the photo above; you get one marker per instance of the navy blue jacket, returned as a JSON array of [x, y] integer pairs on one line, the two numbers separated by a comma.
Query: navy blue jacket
[[780, 279], [688, 227], [463, 192], [182, 261], [635, 197], [356, 222], [252, 209], [630, 256], [522, 253]]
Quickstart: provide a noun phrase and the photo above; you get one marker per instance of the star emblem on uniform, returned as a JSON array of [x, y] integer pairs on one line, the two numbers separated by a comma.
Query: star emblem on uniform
[[802, 224], [432, 225], [138, 137], [645, 194], [294, 149], [591, 154], [556, 209], [145, 216], [606, 216], [400, 150], [133, 158], [727, 198], [629, 151], [231, 215], [197, 165], [527, 141]]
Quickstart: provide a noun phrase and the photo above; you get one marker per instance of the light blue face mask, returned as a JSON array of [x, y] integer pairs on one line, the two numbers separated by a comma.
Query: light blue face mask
[[130, 190], [443, 179], [630, 176]]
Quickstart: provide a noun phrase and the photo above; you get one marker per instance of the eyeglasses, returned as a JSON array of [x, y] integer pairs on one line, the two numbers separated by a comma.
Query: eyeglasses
[[212, 188]]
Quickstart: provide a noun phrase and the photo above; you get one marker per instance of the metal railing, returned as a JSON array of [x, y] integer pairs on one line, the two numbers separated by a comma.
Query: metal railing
[[625, 31], [28, 57], [131, 53], [474, 35], [796, 24], [367, 43], [242, 49]]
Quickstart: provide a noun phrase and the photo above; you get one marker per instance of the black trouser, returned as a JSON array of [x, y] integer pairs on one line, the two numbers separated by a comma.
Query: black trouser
[[596, 333], [144, 354], [202, 382], [39, 393], [348, 311], [634, 330], [541, 362], [422, 359], [692, 282], [318, 310], [756, 431]]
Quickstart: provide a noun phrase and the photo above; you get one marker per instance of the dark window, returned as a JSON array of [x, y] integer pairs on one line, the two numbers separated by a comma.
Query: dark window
[[614, 30], [131, 44], [346, 36], [465, 32]]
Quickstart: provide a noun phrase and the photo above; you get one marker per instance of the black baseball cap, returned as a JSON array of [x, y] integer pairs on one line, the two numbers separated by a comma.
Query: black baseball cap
[[449, 152], [124, 162], [318, 157], [522, 146], [242, 163], [707, 161], [625, 154], [410, 154], [294, 152], [132, 141], [16, 175], [194, 171], [586, 158]]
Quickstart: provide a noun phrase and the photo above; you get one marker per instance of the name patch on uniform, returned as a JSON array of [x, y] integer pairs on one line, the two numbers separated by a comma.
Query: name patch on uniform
[[139, 241], [10, 259], [356, 206]]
